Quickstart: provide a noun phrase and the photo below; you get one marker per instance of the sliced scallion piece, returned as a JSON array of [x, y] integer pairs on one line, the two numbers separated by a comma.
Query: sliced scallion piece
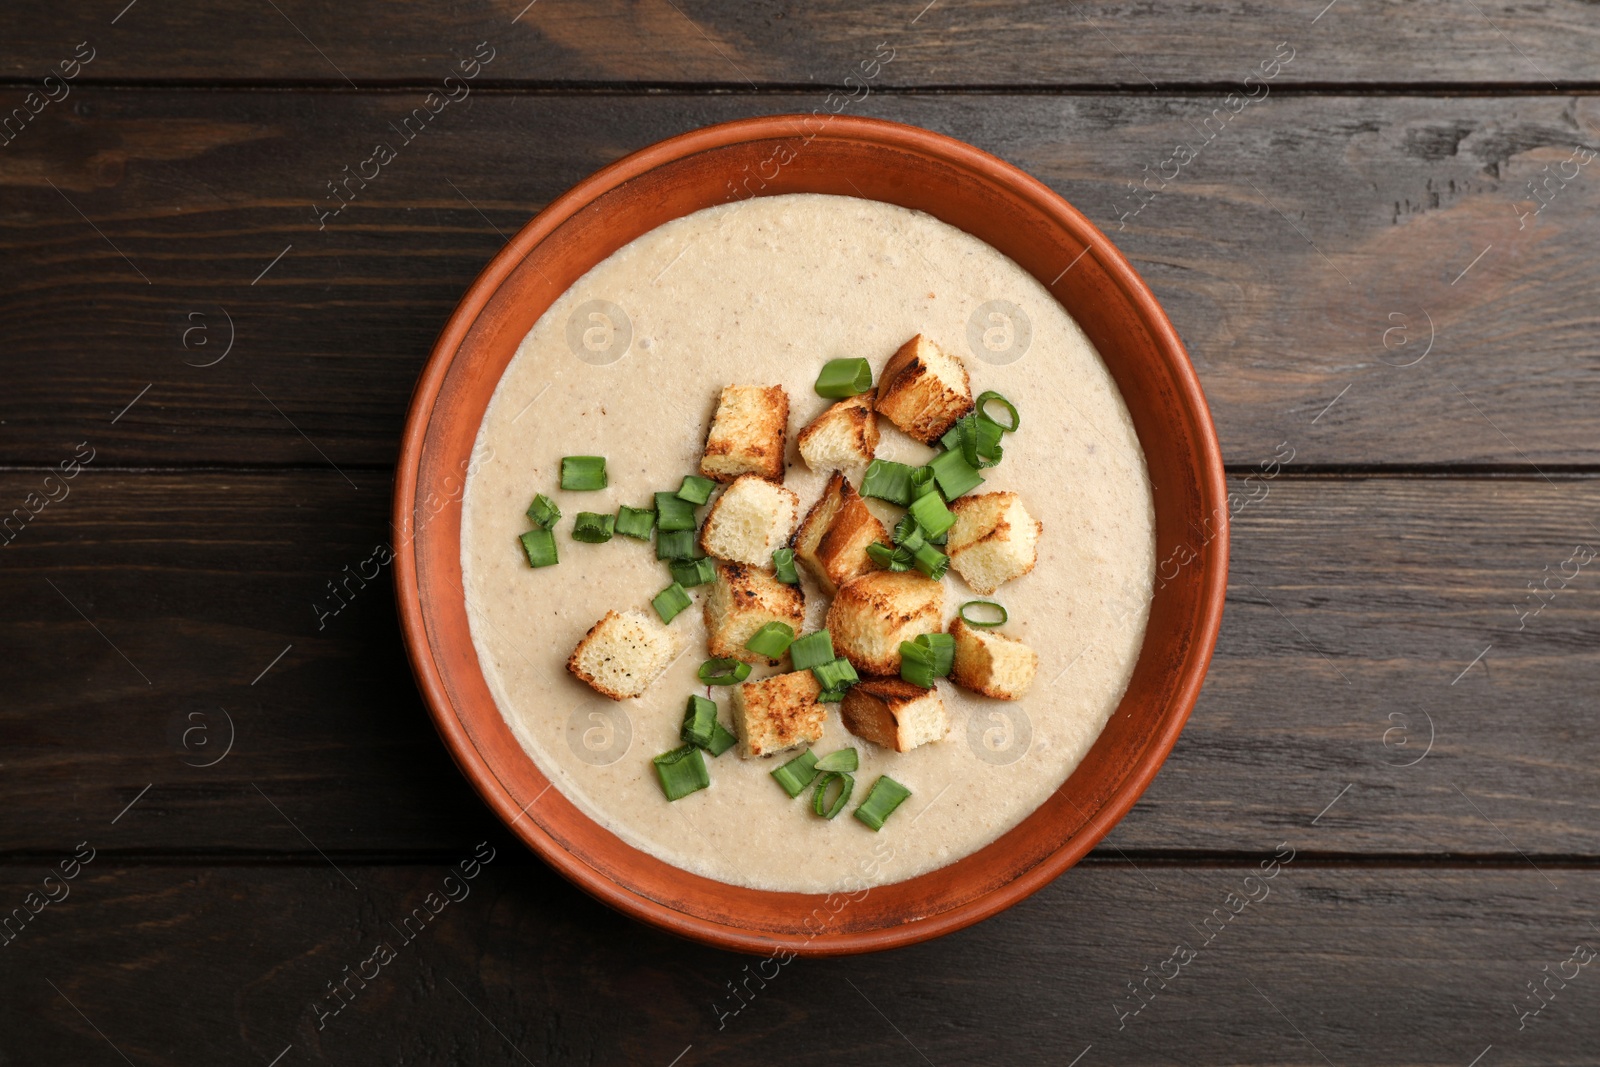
[[992, 397], [540, 545], [922, 482], [683, 771], [889, 558], [543, 512], [908, 535], [722, 739], [783, 566], [593, 528], [811, 650], [835, 676], [819, 804], [943, 647], [724, 670], [931, 561], [888, 480], [677, 544], [670, 601], [635, 522], [885, 795], [583, 473], [692, 572], [695, 489], [795, 775], [954, 474], [846, 759], [673, 513], [916, 664], [699, 716], [772, 640], [981, 623], [932, 515], [977, 437], [844, 378]]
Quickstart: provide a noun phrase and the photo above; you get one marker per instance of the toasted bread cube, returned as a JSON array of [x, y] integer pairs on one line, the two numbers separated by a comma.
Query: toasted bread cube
[[742, 601], [747, 434], [872, 614], [993, 540], [749, 521], [893, 713], [923, 390], [833, 539], [846, 435], [623, 653], [777, 713], [992, 664]]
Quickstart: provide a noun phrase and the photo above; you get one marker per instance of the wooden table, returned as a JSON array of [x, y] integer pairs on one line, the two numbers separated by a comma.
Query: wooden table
[[1381, 255]]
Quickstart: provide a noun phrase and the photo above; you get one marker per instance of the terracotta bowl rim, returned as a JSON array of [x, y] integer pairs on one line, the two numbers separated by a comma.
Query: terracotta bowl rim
[[1206, 466]]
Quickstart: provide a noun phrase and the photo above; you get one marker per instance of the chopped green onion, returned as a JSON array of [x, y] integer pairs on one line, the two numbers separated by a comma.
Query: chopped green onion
[[795, 775], [692, 572], [835, 676], [673, 513], [831, 696], [783, 566], [670, 601], [888, 480], [772, 640], [1001, 621], [955, 475], [846, 759], [885, 795], [722, 739], [695, 489], [540, 545], [922, 482], [543, 512], [811, 650], [683, 771], [699, 716], [931, 561], [592, 528], [943, 647], [843, 378], [916, 664], [635, 522], [977, 438], [889, 558], [677, 544], [583, 472], [724, 670], [932, 515], [819, 803], [991, 397], [908, 535]]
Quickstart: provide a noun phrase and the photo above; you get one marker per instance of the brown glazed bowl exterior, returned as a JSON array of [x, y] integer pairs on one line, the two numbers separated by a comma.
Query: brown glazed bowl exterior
[[966, 188]]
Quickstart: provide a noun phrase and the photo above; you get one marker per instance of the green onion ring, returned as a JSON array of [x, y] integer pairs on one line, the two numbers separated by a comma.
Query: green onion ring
[[1001, 621]]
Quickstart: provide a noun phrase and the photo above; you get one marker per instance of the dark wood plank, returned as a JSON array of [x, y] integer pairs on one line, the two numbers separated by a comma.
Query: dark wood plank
[[1355, 610], [1360, 966], [777, 42], [1250, 250]]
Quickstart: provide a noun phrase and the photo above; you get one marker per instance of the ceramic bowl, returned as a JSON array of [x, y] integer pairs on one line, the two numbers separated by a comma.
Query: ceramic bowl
[[966, 188]]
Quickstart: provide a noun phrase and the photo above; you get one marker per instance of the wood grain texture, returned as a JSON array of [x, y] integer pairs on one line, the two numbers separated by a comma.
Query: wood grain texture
[[780, 42], [1361, 966], [1354, 611], [1313, 245]]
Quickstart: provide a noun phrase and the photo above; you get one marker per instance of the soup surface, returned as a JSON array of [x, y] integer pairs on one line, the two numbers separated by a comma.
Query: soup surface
[[628, 364]]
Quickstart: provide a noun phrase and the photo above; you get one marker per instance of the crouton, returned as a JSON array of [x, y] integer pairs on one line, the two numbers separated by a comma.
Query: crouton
[[750, 520], [846, 435], [747, 434], [993, 540], [742, 601], [923, 390], [872, 614], [992, 664], [622, 654], [832, 541], [777, 713], [894, 713]]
